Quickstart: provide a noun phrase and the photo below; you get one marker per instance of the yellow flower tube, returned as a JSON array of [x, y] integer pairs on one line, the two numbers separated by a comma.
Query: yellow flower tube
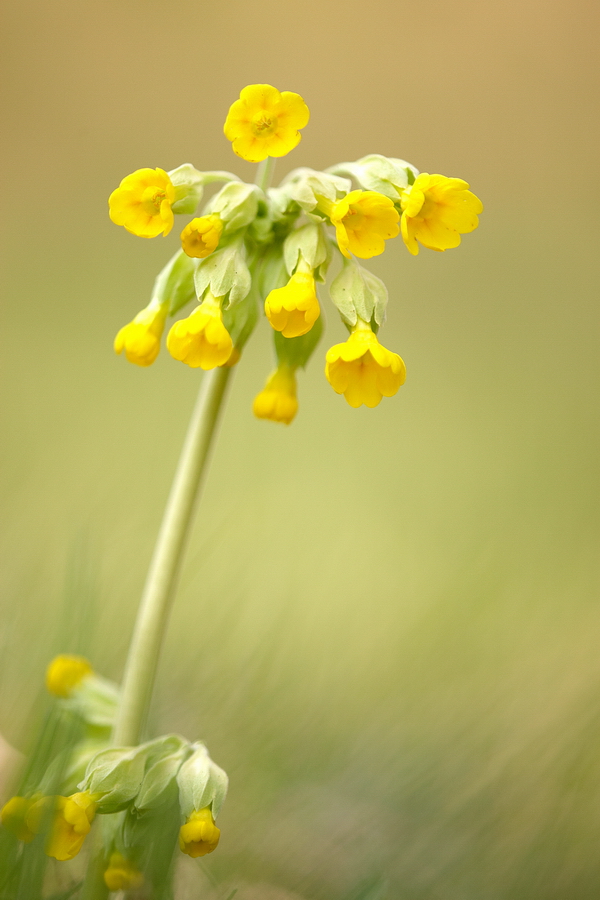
[[199, 835], [201, 340], [201, 236], [121, 874], [362, 369], [70, 822], [294, 309], [278, 401], [65, 673], [140, 338]]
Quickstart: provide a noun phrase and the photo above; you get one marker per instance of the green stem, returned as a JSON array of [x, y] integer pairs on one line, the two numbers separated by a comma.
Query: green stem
[[265, 173], [155, 605]]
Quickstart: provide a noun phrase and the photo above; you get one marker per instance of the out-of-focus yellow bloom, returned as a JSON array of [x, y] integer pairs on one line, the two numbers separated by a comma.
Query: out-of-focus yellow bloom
[[201, 236], [277, 401], [294, 309], [265, 122], [65, 673], [363, 221], [14, 814], [201, 340], [70, 820], [142, 203], [436, 210], [121, 874], [199, 835], [140, 339], [362, 369]]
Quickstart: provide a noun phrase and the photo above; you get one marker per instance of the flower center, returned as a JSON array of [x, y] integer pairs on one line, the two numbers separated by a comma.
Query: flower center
[[263, 124], [152, 199]]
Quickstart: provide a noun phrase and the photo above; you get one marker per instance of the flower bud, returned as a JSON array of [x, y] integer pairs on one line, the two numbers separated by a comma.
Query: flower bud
[[201, 236], [121, 874], [65, 673], [277, 401]]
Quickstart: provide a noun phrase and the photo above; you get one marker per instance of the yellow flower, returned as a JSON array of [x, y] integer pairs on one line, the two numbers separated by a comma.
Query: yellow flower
[[121, 874], [142, 203], [140, 339], [65, 673], [436, 210], [201, 340], [362, 370], [294, 309], [14, 814], [201, 236], [264, 122], [199, 835], [363, 221], [70, 821], [278, 399]]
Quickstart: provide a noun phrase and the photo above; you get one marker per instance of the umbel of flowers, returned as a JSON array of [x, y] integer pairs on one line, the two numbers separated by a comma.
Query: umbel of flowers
[[254, 247], [153, 798]]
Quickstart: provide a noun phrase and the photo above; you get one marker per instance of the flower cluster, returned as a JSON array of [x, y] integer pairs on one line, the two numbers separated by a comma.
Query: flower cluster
[[257, 245], [153, 797]]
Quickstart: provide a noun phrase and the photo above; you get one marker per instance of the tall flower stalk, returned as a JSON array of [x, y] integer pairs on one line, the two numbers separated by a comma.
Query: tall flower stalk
[[252, 247]]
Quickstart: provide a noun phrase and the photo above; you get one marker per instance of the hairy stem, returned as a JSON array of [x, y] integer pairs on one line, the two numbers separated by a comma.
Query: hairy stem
[[155, 605]]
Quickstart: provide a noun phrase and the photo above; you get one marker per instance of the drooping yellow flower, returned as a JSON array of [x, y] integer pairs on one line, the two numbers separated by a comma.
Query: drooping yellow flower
[[363, 221], [70, 821], [14, 814], [265, 122], [199, 835], [201, 236], [277, 401], [142, 203], [362, 369], [65, 673], [121, 874], [201, 340], [436, 210], [140, 339], [294, 309]]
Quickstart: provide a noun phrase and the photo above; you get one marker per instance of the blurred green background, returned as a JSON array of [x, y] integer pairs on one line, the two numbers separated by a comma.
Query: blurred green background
[[388, 624]]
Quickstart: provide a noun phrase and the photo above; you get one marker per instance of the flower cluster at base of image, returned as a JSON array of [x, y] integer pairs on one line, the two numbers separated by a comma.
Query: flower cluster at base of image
[[156, 799], [255, 246]]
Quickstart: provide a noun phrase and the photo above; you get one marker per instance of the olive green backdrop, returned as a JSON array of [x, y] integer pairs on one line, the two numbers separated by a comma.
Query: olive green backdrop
[[388, 624]]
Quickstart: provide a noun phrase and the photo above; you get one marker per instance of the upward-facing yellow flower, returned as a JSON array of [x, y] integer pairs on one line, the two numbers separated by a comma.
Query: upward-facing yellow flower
[[201, 340], [265, 122], [142, 203], [363, 221], [201, 236], [71, 820], [199, 835], [277, 401], [65, 673], [294, 309], [140, 339], [436, 210], [362, 370]]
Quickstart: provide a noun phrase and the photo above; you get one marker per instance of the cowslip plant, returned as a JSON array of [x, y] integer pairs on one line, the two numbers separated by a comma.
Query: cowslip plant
[[252, 248]]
